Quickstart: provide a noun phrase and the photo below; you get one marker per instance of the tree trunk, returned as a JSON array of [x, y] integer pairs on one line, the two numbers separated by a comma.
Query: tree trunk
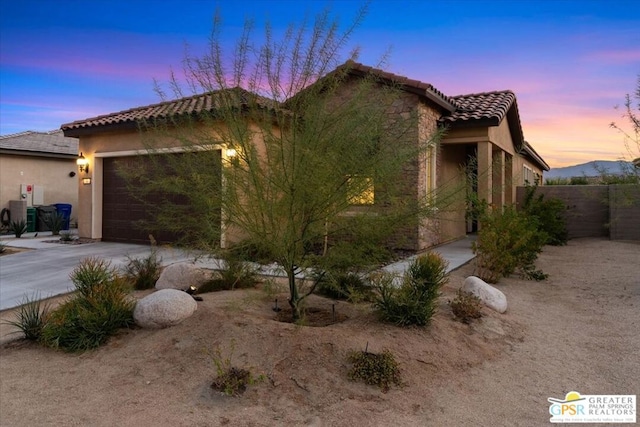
[[294, 298]]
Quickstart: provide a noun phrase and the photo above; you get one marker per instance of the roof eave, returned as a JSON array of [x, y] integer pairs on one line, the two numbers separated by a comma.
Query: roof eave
[[531, 152], [30, 153]]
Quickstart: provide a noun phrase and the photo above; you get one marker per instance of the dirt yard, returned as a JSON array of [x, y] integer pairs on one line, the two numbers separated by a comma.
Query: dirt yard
[[576, 331]]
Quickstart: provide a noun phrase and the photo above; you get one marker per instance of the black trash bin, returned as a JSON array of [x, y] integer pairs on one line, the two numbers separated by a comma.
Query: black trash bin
[[65, 210], [44, 215]]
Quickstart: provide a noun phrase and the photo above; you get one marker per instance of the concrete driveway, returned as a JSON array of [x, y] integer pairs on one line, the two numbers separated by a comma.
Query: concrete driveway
[[44, 268]]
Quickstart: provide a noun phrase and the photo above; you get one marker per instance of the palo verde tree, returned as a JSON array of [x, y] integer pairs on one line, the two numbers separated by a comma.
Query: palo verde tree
[[631, 113], [297, 154]]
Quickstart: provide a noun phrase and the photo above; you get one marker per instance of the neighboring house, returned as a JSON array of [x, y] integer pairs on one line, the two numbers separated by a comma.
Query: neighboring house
[[40, 168], [484, 134]]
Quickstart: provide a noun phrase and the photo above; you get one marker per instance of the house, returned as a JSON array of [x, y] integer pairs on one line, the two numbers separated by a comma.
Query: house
[[484, 127], [39, 168]]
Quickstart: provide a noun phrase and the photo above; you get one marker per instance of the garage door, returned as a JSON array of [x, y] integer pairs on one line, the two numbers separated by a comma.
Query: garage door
[[122, 213]]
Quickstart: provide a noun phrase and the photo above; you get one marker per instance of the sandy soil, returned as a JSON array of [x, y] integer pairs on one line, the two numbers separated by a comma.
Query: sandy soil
[[576, 331]]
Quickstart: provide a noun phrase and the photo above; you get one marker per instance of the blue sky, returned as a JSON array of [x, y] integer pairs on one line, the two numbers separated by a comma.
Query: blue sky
[[569, 62]]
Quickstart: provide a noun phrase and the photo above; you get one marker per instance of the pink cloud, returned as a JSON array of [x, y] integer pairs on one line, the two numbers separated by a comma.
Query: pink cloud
[[615, 56]]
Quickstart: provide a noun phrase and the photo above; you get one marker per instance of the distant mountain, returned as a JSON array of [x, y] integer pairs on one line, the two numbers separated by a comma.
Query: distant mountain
[[593, 168]]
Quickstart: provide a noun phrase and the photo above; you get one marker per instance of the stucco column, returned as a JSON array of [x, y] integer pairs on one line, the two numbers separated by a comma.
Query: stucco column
[[498, 177], [485, 173]]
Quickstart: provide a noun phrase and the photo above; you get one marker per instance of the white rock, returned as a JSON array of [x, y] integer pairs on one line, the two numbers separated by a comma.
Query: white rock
[[181, 275], [490, 296], [166, 307]]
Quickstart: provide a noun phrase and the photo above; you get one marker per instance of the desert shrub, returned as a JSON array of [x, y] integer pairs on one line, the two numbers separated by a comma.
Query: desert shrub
[[231, 380], [557, 181], [380, 369], [18, 227], [466, 306], [235, 273], [101, 306], [55, 222], [578, 180], [549, 214], [143, 273], [90, 273], [31, 317], [414, 302], [507, 241], [345, 285], [67, 236], [626, 178]]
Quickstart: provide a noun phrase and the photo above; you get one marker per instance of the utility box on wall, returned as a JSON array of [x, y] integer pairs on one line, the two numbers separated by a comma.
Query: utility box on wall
[[18, 209]]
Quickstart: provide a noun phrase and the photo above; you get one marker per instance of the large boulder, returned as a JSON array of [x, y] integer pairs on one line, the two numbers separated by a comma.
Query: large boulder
[[181, 275], [490, 296], [163, 308]]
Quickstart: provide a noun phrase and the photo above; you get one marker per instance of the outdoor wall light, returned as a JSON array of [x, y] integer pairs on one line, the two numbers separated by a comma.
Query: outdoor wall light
[[230, 152], [83, 164]]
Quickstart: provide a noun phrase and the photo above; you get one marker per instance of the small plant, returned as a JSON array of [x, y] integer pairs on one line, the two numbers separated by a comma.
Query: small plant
[[31, 318], [3, 247], [18, 227], [348, 286], [143, 273], [67, 236], [375, 369], [231, 380], [235, 274], [55, 221], [414, 302], [466, 306]]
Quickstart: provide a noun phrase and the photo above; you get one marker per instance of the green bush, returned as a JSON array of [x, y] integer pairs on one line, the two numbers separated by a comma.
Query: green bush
[[414, 302], [31, 317], [143, 273], [101, 306], [466, 306], [235, 274], [348, 286], [549, 215], [375, 369], [18, 227], [507, 241], [578, 180], [90, 273]]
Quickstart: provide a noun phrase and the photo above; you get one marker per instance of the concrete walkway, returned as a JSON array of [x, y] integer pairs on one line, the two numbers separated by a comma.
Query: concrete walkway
[[44, 268]]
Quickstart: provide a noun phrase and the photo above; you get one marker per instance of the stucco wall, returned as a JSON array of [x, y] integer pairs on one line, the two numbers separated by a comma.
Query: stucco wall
[[50, 173]]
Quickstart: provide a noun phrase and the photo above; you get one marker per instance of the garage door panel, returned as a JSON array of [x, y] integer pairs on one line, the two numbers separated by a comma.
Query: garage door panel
[[122, 213]]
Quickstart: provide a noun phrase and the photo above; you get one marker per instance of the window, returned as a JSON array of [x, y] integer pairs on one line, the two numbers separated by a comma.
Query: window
[[528, 178], [360, 190]]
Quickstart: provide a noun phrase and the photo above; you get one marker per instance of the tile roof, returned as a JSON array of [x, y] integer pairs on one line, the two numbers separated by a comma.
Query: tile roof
[[189, 105], [52, 142], [481, 106], [412, 85]]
